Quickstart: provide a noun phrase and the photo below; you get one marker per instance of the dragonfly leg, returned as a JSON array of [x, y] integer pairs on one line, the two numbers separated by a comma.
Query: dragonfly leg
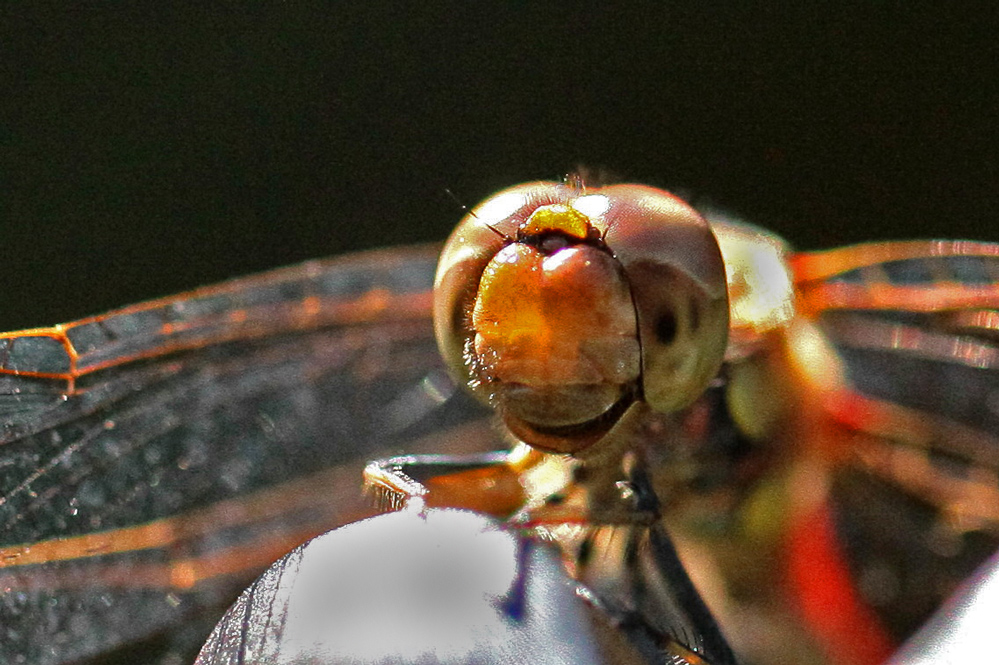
[[486, 483]]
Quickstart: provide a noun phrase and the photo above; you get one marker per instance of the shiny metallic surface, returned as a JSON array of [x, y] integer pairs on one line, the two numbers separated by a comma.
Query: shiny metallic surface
[[963, 630], [439, 586]]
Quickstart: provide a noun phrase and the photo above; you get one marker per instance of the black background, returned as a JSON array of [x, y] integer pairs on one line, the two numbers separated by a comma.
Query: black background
[[147, 150]]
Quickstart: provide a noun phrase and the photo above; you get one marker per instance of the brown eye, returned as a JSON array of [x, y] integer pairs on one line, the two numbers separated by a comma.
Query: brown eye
[[562, 306], [473, 244], [535, 315]]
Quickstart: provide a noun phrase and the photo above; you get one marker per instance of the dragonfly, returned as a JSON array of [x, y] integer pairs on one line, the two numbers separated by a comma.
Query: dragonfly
[[832, 445]]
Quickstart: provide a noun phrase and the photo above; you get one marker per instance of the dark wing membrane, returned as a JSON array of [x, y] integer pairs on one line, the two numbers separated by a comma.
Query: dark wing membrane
[[156, 459], [915, 324], [915, 327]]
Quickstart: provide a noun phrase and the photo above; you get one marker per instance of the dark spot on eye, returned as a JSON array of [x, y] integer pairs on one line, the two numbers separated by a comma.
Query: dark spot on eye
[[555, 499], [666, 327]]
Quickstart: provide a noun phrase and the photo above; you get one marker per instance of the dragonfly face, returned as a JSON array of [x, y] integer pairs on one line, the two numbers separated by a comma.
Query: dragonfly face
[[562, 307], [155, 459]]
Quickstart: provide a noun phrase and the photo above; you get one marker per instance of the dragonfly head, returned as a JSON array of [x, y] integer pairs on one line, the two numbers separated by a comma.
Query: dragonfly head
[[563, 306]]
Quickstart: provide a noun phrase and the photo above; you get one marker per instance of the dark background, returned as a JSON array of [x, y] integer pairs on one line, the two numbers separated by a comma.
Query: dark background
[[145, 151]]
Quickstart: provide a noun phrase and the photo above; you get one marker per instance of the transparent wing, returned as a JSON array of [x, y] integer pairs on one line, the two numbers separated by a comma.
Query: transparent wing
[[917, 324], [916, 328], [156, 459]]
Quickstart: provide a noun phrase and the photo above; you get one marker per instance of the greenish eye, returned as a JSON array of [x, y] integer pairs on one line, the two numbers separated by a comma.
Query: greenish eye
[[666, 327]]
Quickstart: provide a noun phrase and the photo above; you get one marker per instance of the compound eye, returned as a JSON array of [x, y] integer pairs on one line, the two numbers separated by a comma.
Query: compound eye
[[535, 315], [479, 236], [677, 277], [562, 307]]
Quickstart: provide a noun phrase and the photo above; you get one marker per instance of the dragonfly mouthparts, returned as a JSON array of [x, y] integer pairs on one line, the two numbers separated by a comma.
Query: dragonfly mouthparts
[[571, 438]]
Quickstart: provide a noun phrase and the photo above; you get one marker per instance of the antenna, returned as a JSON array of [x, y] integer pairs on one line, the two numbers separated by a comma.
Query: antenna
[[454, 197]]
